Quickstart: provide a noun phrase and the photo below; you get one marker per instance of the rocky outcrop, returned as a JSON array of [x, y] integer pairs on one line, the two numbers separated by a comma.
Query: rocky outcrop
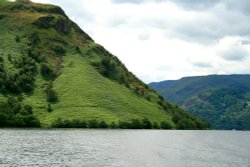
[[59, 23]]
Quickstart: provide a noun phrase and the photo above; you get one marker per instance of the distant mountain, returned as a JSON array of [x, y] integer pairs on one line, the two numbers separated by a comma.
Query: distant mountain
[[222, 100], [52, 74]]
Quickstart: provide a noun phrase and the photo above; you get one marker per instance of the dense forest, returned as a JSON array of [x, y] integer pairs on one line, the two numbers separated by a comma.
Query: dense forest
[[222, 100]]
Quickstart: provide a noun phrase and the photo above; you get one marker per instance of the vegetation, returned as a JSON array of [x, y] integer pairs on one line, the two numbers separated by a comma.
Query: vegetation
[[68, 80], [221, 100], [133, 124], [14, 114]]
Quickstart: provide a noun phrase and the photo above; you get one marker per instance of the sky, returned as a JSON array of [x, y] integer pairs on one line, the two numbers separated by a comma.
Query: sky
[[168, 39]]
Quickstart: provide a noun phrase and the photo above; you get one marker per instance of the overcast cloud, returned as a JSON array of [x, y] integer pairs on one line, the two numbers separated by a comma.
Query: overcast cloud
[[168, 39]]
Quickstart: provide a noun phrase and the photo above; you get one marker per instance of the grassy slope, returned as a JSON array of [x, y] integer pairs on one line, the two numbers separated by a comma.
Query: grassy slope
[[83, 93]]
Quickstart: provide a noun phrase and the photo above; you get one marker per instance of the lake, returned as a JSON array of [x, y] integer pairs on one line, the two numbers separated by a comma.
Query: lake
[[135, 148]]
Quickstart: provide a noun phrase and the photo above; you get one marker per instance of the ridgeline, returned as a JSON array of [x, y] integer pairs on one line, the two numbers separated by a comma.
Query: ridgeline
[[222, 100]]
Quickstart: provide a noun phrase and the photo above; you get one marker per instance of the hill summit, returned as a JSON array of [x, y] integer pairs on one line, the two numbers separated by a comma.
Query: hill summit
[[54, 75]]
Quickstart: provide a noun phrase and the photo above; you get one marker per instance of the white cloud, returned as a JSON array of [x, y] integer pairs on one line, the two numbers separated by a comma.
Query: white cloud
[[232, 49], [160, 40]]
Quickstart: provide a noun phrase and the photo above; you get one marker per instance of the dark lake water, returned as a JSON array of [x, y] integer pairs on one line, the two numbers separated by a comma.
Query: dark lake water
[[135, 148]]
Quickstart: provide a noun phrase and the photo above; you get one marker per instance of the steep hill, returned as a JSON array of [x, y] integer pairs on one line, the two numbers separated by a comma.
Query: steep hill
[[54, 75], [222, 100]]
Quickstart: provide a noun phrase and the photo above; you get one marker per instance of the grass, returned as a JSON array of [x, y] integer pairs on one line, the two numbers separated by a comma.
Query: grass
[[85, 95]]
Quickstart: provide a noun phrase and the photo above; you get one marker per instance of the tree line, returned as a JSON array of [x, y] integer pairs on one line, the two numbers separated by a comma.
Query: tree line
[[133, 124]]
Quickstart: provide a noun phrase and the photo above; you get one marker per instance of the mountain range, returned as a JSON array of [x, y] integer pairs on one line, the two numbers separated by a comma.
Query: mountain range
[[222, 100]]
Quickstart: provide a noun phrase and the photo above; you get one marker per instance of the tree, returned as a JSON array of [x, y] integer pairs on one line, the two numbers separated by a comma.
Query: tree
[[17, 39], [34, 39], [75, 123], [103, 124], [166, 125], [113, 125], [50, 108], [185, 124], [28, 109], [176, 117], [59, 50], [136, 124], [146, 124], [46, 71], [14, 104], [93, 123], [3, 119], [155, 125], [124, 125], [51, 93]]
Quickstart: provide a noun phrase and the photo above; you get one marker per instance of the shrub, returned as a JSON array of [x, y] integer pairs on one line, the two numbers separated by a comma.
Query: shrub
[[166, 125], [14, 114], [4, 119], [113, 125], [103, 124], [155, 125], [51, 93], [14, 105], [25, 121], [59, 50], [31, 121], [92, 123], [28, 109], [17, 39], [35, 54], [49, 108], [146, 124], [124, 125], [136, 124], [34, 39], [162, 98], [78, 50], [185, 124], [46, 71], [75, 123]]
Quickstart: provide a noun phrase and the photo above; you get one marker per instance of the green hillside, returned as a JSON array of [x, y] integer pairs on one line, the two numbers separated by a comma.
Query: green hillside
[[54, 75], [222, 100]]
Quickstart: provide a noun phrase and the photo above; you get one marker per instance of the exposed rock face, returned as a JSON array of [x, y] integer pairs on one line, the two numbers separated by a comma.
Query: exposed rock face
[[60, 23], [44, 22]]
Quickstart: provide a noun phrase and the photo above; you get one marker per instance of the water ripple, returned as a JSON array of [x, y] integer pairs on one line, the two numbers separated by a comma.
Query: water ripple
[[115, 148]]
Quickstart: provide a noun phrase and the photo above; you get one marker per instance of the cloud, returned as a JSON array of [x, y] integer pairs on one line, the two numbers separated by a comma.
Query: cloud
[[210, 25], [241, 6], [135, 1], [196, 4], [168, 39], [202, 64], [245, 42], [128, 1], [232, 49]]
